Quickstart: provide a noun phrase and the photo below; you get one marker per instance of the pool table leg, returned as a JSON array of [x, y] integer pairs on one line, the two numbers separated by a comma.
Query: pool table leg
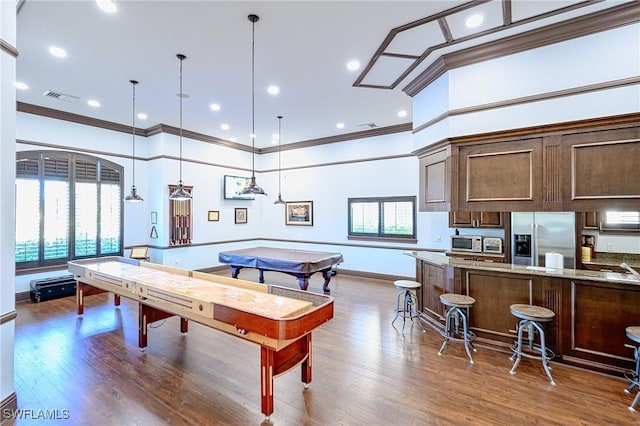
[[303, 281], [326, 274]]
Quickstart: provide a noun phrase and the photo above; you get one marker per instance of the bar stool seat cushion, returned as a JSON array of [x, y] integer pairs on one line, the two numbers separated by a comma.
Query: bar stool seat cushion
[[633, 333], [406, 284], [457, 300], [531, 312]]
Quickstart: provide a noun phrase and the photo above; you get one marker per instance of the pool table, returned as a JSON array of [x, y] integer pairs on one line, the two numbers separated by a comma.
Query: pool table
[[299, 263]]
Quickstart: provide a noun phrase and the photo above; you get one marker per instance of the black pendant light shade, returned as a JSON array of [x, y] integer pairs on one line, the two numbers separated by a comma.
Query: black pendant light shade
[[279, 200], [180, 194], [133, 196], [252, 187]]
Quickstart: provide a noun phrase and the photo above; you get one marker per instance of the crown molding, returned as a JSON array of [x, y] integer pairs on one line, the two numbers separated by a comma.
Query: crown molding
[[603, 20]]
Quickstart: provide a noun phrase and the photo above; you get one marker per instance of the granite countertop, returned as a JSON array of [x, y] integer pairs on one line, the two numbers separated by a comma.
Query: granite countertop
[[439, 259]]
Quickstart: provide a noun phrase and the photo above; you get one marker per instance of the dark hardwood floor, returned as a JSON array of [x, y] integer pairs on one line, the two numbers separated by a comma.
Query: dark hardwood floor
[[364, 372]]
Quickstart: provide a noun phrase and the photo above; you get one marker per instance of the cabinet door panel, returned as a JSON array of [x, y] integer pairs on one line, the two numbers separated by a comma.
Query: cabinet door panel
[[461, 219], [490, 220], [501, 176]]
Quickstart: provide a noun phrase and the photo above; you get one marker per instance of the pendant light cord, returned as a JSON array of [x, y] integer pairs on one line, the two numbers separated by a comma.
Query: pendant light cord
[[133, 126], [253, 97], [181, 57], [279, 153]]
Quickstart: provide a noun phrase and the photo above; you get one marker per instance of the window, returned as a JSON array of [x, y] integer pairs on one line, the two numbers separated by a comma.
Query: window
[[382, 218], [68, 206], [621, 221]]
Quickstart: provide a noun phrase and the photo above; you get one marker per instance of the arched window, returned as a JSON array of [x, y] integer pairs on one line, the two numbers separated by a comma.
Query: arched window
[[68, 206]]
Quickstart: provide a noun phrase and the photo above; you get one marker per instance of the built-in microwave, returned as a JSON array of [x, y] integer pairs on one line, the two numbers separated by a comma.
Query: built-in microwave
[[472, 243]]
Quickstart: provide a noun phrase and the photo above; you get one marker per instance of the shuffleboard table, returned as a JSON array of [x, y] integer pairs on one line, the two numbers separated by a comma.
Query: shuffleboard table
[[299, 263], [279, 319]]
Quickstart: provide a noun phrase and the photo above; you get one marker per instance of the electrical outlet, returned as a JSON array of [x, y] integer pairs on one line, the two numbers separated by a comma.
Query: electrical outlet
[[609, 246], [438, 238]]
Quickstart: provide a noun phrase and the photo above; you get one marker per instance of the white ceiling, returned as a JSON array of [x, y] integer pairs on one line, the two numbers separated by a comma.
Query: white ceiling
[[301, 46]]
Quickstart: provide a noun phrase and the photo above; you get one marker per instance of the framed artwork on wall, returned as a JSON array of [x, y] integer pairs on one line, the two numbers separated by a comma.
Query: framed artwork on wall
[[241, 215], [298, 213], [214, 216]]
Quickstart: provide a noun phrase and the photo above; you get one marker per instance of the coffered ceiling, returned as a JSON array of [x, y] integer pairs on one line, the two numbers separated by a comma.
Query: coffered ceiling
[[302, 47]]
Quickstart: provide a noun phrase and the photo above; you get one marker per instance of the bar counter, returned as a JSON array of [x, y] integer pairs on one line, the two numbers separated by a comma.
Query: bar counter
[[592, 308]]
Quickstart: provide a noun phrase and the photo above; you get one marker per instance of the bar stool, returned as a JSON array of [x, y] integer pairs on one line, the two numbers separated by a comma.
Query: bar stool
[[457, 310], [407, 304], [633, 333], [530, 318]]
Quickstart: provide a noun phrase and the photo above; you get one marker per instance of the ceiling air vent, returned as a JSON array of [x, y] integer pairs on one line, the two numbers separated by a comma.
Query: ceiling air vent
[[371, 125], [60, 96]]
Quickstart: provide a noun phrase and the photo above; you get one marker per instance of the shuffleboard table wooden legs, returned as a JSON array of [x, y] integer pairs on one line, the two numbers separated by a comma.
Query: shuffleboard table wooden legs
[[273, 363], [83, 289], [148, 315]]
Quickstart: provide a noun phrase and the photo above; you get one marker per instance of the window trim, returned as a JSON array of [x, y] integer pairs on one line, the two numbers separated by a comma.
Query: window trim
[[72, 158], [381, 236], [605, 227]]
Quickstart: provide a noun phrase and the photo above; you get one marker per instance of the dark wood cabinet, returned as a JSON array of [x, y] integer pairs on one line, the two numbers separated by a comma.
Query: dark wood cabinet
[[435, 181], [584, 166], [591, 220], [435, 281], [462, 219], [501, 176], [603, 171]]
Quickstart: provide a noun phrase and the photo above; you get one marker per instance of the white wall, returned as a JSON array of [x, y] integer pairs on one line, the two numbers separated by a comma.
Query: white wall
[[7, 193], [546, 70], [326, 175]]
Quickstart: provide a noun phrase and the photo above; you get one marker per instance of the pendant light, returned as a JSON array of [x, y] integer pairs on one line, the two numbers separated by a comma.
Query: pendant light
[[180, 194], [133, 196], [252, 187], [279, 200]]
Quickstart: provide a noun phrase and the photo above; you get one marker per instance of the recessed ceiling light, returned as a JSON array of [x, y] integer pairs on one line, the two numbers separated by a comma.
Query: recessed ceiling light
[[353, 65], [20, 85], [56, 51], [275, 137], [93, 103], [474, 20], [402, 113], [142, 116], [224, 126], [107, 5], [340, 125], [214, 107], [252, 135], [274, 90]]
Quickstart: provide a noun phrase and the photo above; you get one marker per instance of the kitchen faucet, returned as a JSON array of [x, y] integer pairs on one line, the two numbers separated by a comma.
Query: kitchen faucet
[[629, 268]]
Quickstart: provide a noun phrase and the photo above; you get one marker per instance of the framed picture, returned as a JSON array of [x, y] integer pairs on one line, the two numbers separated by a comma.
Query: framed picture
[[241, 215], [214, 215], [154, 218], [298, 213]]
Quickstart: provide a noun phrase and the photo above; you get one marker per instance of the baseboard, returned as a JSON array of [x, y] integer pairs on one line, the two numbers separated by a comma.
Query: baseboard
[[8, 406], [22, 296]]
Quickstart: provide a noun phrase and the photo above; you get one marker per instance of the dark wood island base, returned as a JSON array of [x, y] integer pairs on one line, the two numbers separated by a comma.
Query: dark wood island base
[[592, 309]]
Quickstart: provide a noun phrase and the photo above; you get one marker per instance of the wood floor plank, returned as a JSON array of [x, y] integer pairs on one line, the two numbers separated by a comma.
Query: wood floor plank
[[365, 372]]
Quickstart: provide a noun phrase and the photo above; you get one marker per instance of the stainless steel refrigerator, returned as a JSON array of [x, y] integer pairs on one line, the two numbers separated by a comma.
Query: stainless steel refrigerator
[[536, 233]]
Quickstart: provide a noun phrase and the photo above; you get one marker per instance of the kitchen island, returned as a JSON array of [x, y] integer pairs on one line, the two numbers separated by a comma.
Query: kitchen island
[[592, 308]]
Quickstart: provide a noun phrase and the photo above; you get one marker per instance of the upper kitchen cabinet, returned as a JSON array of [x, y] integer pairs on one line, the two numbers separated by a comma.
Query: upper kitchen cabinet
[[589, 165], [500, 176], [435, 179], [603, 170], [462, 219]]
